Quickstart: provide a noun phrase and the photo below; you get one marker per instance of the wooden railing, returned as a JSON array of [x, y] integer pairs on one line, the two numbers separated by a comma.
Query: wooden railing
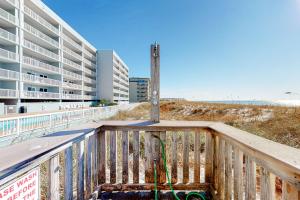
[[120, 155]]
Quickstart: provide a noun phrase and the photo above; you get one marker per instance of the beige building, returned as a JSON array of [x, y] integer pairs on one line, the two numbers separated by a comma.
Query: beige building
[[139, 89]]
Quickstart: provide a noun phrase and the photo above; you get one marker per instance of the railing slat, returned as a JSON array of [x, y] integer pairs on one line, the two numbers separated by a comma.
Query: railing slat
[[68, 195], [228, 171], [80, 170], [53, 184], [156, 154], [149, 158], [113, 152], [267, 185], [250, 190], [102, 157], [125, 157], [136, 156], [186, 148], [174, 157], [216, 161], [208, 157], [95, 163], [221, 171], [88, 167], [162, 177], [197, 153], [238, 174], [289, 192]]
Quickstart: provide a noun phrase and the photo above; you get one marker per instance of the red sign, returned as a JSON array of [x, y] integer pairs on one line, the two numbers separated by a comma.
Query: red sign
[[24, 188]]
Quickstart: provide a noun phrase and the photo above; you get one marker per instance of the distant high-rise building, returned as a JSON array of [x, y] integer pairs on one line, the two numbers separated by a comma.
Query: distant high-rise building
[[113, 76], [139, 89]]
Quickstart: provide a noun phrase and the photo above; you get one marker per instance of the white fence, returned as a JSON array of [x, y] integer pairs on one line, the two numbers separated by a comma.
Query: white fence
[[49, 122]]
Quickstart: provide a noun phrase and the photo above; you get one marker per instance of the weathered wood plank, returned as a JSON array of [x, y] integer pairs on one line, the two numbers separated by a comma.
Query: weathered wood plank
[[68, 184], [216, 162], [102, 157], [53, 181], [267, 185], [88, 167], [174, 157], [113, 156], [221, 171], [228, 171], [136, 156], [250, 181], [289, 192], [125, 157], [238, 174], [150, 186], [209, 150], [156, 154], [155, 82], [95, 161], [197, 153], [149, 158], [186, 150], [162, 177], [80, 170]]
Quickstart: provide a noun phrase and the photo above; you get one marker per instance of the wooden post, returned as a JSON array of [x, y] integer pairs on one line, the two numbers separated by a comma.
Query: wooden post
[[69, 173], [53, 182], [155, 82]]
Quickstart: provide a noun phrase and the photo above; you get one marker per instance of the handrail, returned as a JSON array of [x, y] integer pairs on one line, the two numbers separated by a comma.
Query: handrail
[[41, 20], [42, 80], [7, 16], [37, 63], [8, 54], [36, 48], [226, 149], [7, 35], [9, 74], [40, 34]]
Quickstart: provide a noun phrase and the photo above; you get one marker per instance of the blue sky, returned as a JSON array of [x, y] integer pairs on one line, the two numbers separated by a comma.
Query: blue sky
[[210, 49]]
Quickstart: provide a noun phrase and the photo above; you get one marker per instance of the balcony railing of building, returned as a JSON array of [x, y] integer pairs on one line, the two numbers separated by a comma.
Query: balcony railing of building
[[39, 95], [8, 93], [40, 20], [13, 2], [90, 55], [72, 86], [72, 53], [8, 54], [7, 16], [72, 96], [89, 80], [89, 89], [89, 97], [8, 35], [41, 50], [72, 64], [39, 64], [40, 80], [89, 72], [72, 75], [89, 63], [40, 35], [72, 42], [9, 74]]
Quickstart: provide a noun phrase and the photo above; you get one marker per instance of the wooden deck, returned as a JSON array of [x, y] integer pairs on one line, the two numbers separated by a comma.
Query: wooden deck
[[236, 164]]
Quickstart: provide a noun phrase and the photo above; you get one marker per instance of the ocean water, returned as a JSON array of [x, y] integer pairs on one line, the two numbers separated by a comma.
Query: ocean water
[[246, 102]]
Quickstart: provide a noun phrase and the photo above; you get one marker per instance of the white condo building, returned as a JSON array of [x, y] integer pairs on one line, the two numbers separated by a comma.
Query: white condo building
[[113, 76], [43, 59]]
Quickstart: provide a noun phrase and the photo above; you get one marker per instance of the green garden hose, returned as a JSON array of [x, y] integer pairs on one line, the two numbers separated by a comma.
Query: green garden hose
[[194, 194]]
